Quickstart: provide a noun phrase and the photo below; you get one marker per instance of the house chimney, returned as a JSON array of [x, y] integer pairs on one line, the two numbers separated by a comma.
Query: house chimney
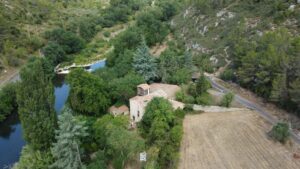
[[143, 89]]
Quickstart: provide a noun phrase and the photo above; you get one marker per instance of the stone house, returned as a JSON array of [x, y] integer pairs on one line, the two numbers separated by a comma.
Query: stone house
[[145, 93], [116, 111]]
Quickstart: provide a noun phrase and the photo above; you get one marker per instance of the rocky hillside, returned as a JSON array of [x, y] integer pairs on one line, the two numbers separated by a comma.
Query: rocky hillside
[[257, 39]]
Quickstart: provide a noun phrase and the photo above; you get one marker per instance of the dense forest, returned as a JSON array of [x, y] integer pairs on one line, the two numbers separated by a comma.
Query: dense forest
[[257, 41]]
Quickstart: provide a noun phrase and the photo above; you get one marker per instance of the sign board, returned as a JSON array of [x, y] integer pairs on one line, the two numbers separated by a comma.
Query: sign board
[[143, 156]]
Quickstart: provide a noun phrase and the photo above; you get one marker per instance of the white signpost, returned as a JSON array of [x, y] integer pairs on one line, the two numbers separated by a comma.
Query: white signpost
[[143, 156]]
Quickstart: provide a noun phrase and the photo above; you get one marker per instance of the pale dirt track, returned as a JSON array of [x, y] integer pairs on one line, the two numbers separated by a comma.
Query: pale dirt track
[[232, 140]]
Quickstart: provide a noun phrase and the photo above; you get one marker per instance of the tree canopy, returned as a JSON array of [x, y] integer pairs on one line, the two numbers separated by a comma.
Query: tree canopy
[[88, 94]]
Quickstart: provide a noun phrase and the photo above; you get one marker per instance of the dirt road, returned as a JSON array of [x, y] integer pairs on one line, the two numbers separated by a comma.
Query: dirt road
[[9, 76], [231, 140]]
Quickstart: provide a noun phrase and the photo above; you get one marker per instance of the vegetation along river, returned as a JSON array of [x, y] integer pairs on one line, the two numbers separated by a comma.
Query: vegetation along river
[[11, 140]]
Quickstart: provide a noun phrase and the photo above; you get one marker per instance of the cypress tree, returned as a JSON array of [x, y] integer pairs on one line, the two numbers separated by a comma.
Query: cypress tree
[[35, 98]]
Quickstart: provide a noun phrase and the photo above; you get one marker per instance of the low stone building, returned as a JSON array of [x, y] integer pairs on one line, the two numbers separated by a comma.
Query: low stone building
[[145, 93], [116, 111]]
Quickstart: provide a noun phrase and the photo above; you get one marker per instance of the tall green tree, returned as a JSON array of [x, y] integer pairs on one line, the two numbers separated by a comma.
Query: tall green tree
[[88, 94], [8, 102], [35, 98], [160, 109], [122, 89], [66, 150], [161, 126], [54, 53], [145, 64], [202, 85]]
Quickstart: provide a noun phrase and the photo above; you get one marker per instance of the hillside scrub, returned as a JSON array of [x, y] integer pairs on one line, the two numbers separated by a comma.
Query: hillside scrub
[[259, 40]]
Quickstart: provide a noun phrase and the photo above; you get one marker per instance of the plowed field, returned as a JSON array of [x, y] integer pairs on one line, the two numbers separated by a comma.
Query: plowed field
[[232, 140]]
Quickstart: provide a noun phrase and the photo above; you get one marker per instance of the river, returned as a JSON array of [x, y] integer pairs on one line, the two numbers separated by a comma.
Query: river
[[11, 141]]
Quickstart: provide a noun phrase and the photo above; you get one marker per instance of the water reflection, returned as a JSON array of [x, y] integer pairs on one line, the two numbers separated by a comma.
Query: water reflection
[[7, 126], [11, 141]]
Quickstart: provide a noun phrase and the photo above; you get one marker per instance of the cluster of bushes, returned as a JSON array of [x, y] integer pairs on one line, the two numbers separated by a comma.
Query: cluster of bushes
[[161, 126], [196, 93]]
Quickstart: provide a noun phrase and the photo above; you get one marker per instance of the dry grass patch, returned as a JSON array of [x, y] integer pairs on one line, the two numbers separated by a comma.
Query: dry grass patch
[[232, 140]]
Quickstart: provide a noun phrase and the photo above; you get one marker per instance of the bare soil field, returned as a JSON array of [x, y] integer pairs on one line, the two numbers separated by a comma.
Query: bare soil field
[[232, 140]]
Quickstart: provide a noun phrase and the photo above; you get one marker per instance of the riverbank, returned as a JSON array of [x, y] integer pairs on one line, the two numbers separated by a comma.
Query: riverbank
[[11, 136]]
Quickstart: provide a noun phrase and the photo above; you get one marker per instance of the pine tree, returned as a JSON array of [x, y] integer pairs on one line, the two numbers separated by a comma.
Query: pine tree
[[202, 85], [295, 91], [66, 150], [144, 63], [35, 98], [279, 91]]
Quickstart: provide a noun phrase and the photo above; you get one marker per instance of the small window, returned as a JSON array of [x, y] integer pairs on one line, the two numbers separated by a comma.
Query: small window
[[138, 114]]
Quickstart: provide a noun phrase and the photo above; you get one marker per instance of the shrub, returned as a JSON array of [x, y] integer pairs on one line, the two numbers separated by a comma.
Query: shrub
[[227, 75], [34, 43], [100, 162], [204, 99], [182, 97], [180, 76], [280, 132], [226, 100], [106, 34], [188, 107]]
